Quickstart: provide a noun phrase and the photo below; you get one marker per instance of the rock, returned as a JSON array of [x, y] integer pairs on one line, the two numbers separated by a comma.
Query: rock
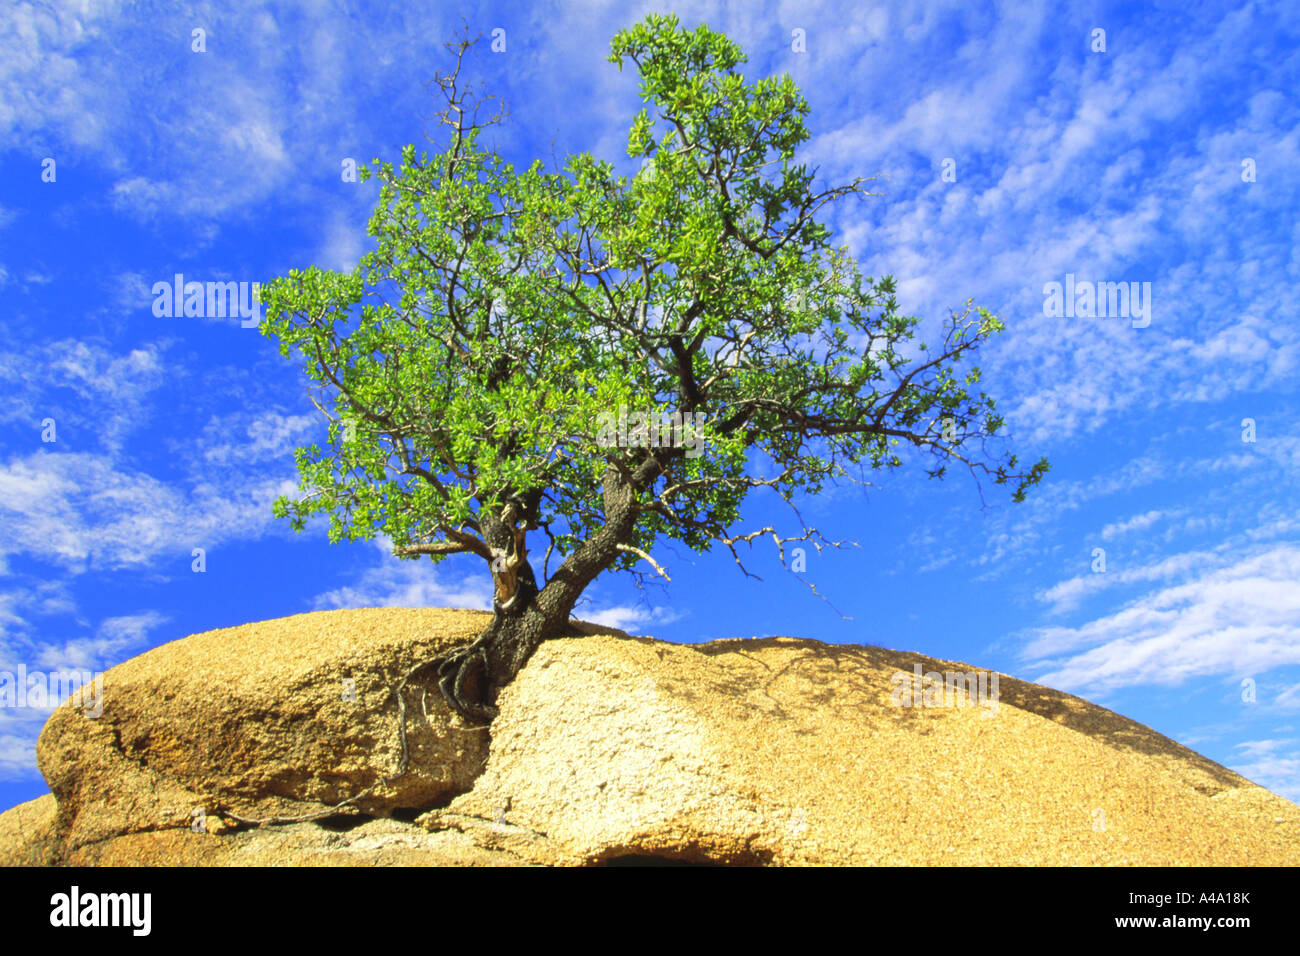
[[28, 836], [285, 717], [790, 751], [372, 842], [615, 749]]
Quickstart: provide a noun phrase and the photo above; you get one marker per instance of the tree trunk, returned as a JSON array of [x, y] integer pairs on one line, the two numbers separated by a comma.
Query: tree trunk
[[470, 677]]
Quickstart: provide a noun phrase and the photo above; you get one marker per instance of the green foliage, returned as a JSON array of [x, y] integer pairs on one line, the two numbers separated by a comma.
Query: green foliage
[[466, 361]]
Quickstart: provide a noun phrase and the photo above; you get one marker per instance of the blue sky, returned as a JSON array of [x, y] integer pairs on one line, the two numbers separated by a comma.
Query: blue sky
[[1129, 164]]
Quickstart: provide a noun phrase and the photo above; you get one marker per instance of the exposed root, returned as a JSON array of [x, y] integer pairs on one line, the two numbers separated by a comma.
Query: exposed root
[[463, 677]]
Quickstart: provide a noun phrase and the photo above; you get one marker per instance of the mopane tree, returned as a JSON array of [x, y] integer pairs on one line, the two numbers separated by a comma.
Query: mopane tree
[[593, 363]]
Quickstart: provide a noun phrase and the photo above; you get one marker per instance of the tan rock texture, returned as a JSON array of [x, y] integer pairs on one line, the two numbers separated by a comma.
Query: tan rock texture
[[283, 717], [28, 836], [611, 748]]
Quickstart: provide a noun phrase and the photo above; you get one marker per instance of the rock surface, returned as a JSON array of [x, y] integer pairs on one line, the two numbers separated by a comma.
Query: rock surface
[[608, 749], [285, 717]]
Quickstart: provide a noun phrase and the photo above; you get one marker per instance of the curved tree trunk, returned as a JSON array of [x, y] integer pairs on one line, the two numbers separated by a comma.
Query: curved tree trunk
[[470, 677]]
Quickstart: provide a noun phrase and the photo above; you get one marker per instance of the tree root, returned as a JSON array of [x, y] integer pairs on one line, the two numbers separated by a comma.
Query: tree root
[[463, 677]]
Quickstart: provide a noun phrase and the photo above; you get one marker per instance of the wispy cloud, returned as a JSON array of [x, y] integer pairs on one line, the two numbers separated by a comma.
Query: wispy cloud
[[1239, 620], [1136, 523], [627, 616], [94, 395], [54, 651], [1068, 594], [109, 644], [396, 582], [80, 510], [1274, 764]]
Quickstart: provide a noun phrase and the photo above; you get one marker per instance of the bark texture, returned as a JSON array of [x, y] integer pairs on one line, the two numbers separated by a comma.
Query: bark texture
[[470, 677]]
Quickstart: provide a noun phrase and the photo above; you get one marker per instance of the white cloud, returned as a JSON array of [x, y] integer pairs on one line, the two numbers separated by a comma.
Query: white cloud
[[131, 293], [109, 391], [243, 439], [627, 616], [114, 637], [1068, 594], [17, 751], [1136, 523], [419, 583], [1274, 764], [395, 582], [1289, 699], [263, 109], [80, 510], [1238, 620], [345, 242], [1068, 182]]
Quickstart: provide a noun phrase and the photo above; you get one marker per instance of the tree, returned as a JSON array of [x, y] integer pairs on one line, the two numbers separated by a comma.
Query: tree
[[471, 366]]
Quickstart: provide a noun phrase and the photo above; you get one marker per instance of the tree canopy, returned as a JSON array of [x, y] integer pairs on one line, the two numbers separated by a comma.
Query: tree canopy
[[477, 367]]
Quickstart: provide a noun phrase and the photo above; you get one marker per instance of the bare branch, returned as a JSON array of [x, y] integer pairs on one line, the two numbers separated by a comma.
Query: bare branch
[[653, 563]]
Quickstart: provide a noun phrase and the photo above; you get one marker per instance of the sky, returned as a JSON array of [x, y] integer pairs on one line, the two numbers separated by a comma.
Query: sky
[[1153, 572]]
